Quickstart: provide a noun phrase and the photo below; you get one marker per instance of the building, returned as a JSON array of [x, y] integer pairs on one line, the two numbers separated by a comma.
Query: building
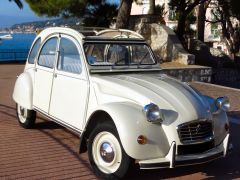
[[142, 7], [212, 31]]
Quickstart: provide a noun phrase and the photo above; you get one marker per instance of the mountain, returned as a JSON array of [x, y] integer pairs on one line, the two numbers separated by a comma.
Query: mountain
[[48, 23], [8, 21]]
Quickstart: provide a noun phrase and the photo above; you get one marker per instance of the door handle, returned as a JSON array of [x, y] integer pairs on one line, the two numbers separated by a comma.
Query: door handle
[[35, 69], [55, 75]]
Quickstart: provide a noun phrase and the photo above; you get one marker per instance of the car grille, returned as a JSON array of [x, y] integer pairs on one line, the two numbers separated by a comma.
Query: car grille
[[195, 132]]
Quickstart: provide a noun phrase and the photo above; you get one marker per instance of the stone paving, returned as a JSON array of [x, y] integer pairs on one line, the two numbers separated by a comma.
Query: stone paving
[[49, 151]]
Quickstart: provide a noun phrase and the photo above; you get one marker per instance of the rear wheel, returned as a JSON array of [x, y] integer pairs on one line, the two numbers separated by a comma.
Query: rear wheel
[[26, 117], [106, 154]]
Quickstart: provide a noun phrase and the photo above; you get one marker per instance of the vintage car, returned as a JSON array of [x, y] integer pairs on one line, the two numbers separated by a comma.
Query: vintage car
[[107, 87]]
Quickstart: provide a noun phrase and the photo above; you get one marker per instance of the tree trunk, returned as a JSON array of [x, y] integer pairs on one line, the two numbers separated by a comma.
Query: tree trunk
[[181, 26], [124, 14], [151, 7], [201, 16]]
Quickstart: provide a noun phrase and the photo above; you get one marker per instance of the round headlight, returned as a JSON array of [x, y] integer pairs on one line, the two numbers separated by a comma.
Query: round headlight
[[153, 113], [223, 103]]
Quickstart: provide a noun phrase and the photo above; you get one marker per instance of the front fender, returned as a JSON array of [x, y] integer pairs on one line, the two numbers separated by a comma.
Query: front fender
[[220, 120], [23, 90], [131, 122]]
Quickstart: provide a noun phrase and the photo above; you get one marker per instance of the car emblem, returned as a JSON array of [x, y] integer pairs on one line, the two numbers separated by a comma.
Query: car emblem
[[198, 128]]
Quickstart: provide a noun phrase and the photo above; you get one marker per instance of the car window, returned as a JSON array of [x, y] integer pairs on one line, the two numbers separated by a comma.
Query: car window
[[48, 53], [69, 58], [140, 54], [120, 54], [34, 51]]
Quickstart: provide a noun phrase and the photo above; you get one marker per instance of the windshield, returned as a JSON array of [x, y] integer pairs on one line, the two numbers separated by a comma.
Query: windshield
[[118, 54]]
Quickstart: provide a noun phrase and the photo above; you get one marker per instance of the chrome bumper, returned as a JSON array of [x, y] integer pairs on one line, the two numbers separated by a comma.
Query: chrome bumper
[[172, 160]]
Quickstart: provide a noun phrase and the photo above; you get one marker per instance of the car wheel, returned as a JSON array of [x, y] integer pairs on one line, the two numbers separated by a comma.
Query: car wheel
[[26, 117], [106, 154]]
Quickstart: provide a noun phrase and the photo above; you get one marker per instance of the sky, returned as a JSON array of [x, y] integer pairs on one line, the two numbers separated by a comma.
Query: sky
[[10, 14]]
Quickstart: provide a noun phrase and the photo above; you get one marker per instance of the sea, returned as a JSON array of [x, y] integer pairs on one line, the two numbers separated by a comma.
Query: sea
[[17, 48]]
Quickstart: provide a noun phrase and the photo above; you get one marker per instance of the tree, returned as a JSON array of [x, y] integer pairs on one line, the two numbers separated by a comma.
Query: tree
[[93, 12], [124, 13], [183, 8], [19, 3], [151, 7], [224, 12], [201, 17]]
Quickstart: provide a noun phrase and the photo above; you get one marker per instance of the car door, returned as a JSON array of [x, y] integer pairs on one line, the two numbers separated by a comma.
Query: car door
[[44, 74], [70, 85]]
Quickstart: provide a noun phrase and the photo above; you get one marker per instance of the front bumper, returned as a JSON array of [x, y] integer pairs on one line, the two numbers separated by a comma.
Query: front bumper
[[172, 160]]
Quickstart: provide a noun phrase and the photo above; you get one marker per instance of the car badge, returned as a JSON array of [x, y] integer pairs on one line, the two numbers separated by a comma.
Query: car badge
[[198, 128]]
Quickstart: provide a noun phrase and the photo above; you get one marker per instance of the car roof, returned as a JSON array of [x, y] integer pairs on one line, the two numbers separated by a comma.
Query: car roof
[[94, 34]]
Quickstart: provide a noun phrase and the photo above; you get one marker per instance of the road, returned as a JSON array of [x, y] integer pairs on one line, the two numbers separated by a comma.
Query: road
[[49, 151]]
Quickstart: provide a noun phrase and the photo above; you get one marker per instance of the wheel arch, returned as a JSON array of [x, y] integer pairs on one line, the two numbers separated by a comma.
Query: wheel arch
[[98, 117]]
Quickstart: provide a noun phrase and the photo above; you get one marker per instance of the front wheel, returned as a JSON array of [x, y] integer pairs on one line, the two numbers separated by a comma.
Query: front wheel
[[106, 154], [26, 117]]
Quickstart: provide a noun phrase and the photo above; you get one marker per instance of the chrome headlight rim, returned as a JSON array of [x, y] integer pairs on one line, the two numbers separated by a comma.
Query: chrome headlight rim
[[223, 103], [153, 113]]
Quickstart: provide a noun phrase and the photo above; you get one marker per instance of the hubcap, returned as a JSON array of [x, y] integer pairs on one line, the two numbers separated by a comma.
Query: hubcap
[[107, 152], [22, 114]]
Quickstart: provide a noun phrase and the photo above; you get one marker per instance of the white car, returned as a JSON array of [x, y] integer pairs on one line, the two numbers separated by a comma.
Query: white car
[[109, 89]]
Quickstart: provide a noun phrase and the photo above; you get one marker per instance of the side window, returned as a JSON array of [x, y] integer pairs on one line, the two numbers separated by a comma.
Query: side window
[[34, 51], [48, 53], [69, 59]]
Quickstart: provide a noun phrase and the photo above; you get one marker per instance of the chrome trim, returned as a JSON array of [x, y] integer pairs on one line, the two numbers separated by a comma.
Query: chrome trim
[[195, 141]]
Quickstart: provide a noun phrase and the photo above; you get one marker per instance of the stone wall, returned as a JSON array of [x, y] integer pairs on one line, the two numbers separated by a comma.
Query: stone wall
[[226, 74], [192, 73], [163, 40], [207, 56]]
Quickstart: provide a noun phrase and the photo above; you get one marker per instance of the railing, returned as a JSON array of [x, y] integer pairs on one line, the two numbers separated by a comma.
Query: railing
[[13, 54]]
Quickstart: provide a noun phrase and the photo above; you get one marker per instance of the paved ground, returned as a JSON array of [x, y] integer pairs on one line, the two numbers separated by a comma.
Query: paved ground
[[51, 152]]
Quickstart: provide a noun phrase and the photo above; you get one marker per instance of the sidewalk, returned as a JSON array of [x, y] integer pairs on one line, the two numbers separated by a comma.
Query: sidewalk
[[218, 91]]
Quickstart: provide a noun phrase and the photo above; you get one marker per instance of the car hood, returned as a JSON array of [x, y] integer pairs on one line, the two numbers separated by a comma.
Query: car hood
[[172, 96]]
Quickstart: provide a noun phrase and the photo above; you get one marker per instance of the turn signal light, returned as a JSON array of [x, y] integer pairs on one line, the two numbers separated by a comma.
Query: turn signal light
[[142, 140]]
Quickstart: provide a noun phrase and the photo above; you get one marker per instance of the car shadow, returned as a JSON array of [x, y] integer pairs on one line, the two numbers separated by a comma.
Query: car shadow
[[46, 124]]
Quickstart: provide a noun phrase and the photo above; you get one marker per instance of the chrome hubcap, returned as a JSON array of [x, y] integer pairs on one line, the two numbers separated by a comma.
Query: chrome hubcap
[[107, 152], [22, 114]]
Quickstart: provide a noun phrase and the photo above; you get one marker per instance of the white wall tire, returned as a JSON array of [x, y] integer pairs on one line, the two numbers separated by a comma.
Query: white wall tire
[[26, 117], [106, 154]]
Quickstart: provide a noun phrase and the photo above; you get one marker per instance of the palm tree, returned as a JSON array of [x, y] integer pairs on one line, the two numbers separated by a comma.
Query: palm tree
[[19, 3]]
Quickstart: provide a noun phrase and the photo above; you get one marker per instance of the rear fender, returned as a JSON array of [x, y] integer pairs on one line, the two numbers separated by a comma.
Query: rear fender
[[23, 91]]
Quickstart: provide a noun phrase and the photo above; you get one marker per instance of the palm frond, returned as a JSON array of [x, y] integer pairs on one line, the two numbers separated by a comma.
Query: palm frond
[[19, 3]]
